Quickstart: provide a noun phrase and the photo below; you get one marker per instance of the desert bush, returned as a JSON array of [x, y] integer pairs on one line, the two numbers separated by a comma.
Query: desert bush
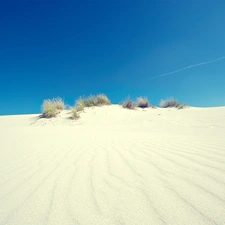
[[128, 104], [102, 99], [171, 102], [75, 114], [143, 102], [49, 109]]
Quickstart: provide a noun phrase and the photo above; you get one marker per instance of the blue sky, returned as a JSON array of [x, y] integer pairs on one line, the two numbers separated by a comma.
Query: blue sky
[[73, 48]]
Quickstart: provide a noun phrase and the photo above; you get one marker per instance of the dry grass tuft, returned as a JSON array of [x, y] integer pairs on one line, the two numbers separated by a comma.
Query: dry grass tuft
[[80, 104], [75, 114], [143, 102], [90, 101], [171, 102], [87, 102], [128, 104], [102, 99], [182, 106], [49, 109], [59, 103]]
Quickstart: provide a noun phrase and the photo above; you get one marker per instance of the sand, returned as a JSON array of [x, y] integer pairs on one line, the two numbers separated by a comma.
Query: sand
[[114, 166]]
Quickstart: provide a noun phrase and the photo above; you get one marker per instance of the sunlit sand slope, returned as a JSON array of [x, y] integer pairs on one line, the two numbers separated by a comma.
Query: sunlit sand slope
[[114, 166]]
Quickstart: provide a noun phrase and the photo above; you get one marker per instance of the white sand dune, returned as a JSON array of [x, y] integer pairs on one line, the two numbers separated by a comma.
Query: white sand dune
[[114, 166]]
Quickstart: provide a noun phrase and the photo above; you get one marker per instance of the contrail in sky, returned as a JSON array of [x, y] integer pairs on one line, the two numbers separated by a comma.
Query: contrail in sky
[[188, 67]]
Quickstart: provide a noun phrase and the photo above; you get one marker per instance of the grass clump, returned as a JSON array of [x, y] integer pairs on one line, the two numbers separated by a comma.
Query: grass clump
[[87, 102], [143, 102], [171, 102], [182, 106], [128, 104], [75, 114], [59, 103], [90, 101], [49, 109], [102, 99], [80, 104]]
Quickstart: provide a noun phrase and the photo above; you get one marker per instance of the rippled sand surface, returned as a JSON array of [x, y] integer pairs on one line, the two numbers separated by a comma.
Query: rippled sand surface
[[114, 166]]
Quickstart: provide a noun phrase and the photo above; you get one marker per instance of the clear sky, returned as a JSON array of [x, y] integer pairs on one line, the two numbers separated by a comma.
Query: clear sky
[[79, 47]]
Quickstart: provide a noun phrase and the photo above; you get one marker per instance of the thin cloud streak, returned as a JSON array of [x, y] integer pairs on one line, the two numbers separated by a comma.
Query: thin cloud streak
[[188, 67]]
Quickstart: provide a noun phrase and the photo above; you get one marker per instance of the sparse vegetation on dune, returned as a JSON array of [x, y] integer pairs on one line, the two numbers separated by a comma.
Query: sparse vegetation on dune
[[86, 102], [50, 108], [59, 103], [143, 102], [80, 104], [102, 99], [171, 102], [182, 106], [75, 114], [90, 101], [128, 104]]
